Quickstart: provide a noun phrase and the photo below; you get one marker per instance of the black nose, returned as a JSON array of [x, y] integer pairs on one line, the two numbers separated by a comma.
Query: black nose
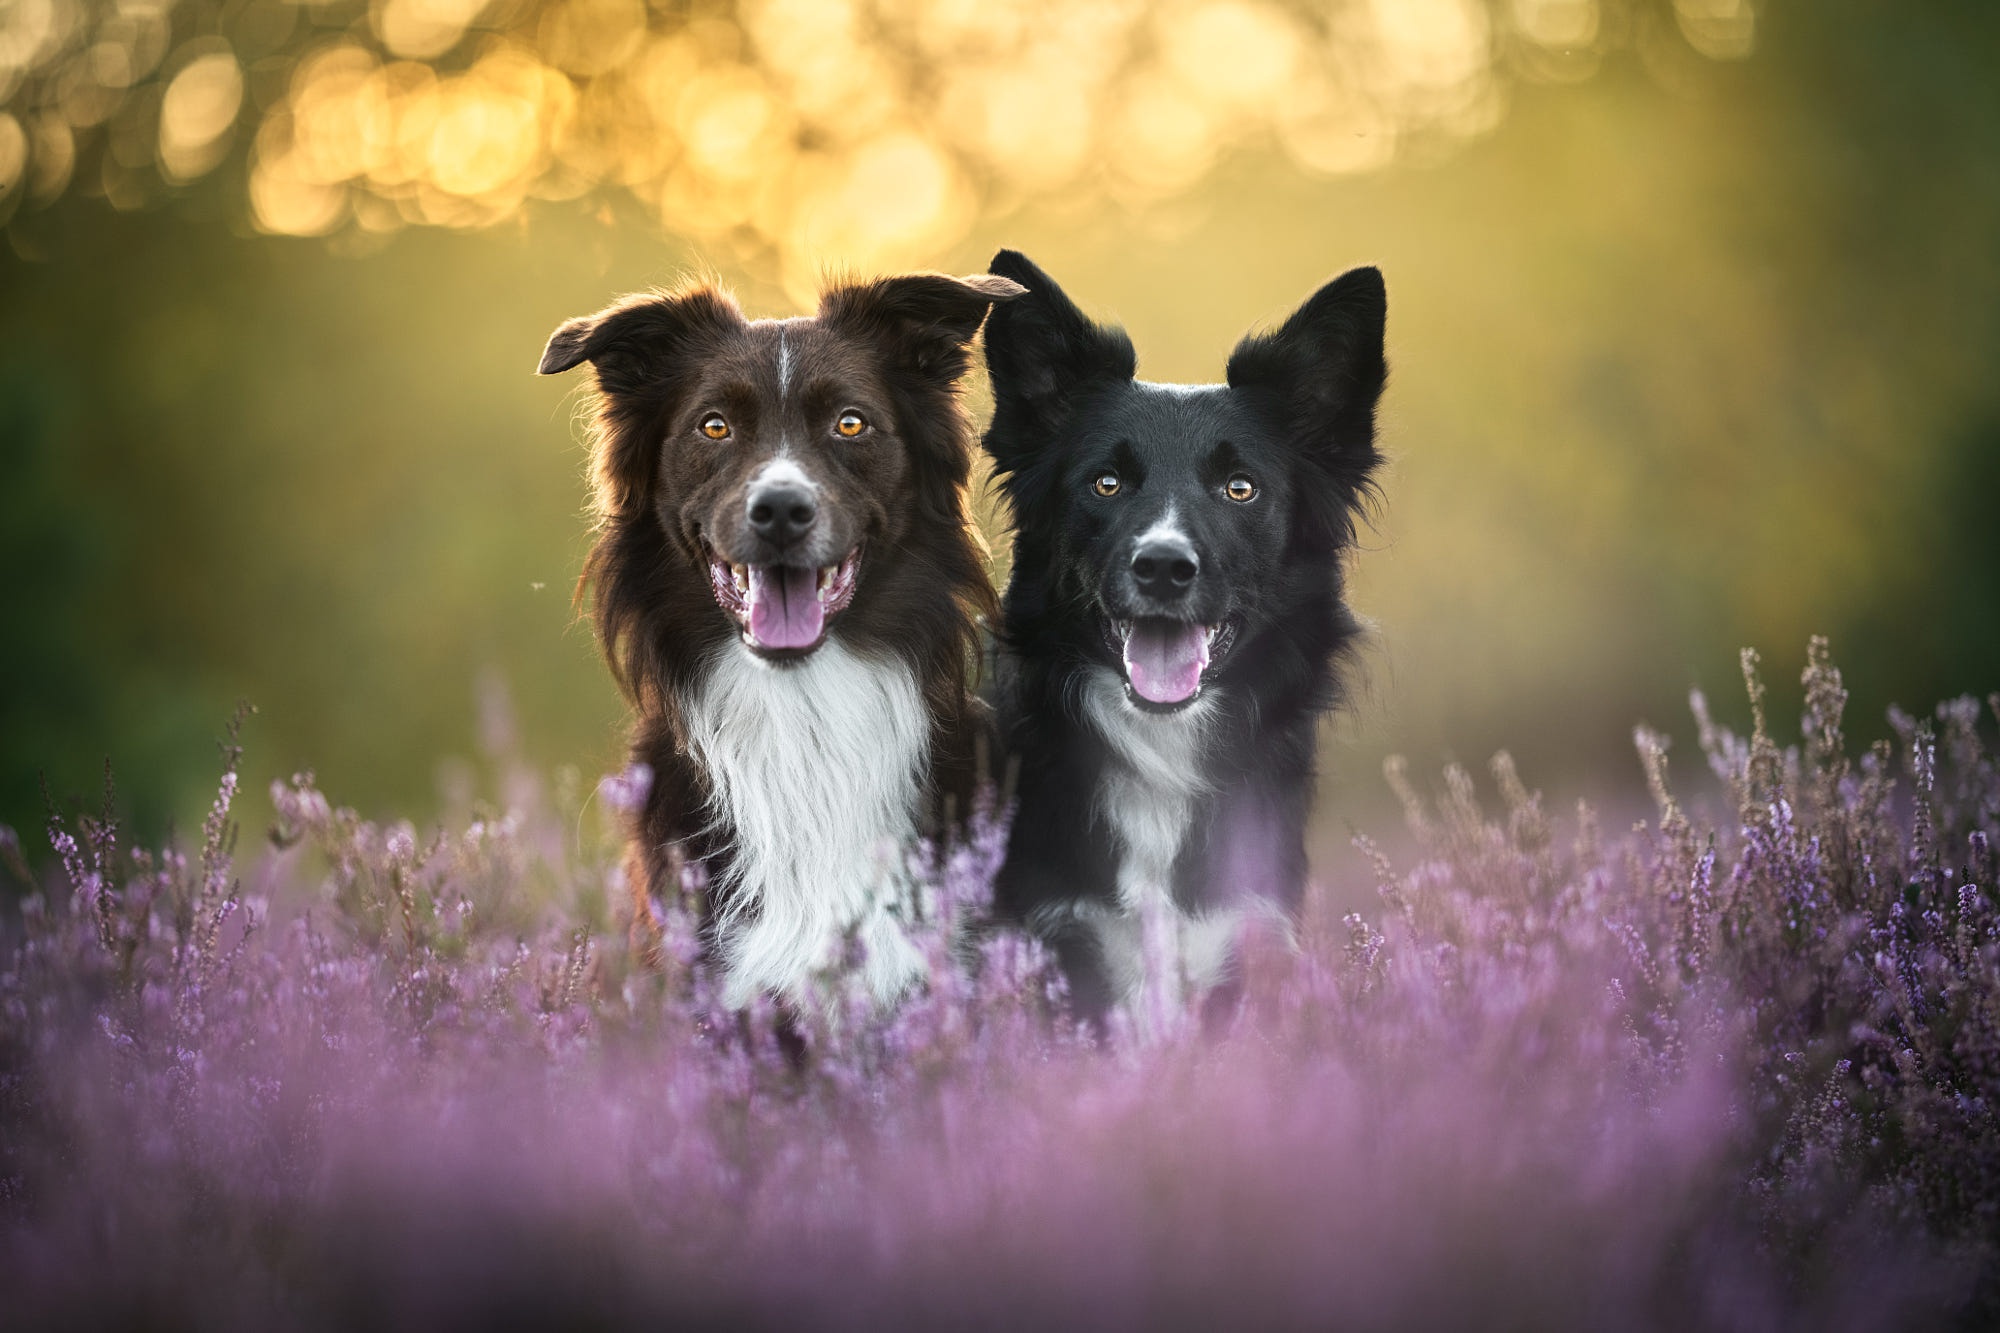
[[1164, 567], [781, 513]]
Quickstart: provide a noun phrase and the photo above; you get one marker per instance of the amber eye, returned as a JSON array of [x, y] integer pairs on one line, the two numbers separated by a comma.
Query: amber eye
[[715, 427], [851, 424], [1241, 489], [1106, 484]]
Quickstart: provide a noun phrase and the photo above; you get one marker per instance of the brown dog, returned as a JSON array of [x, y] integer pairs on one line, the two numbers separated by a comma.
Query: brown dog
[[787, 588]]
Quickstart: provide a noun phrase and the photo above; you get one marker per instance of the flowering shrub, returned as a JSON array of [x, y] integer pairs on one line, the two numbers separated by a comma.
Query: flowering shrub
[[1736, 1069]]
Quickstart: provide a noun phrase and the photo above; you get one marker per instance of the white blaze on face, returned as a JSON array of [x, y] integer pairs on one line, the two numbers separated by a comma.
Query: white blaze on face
[[782, 471], [1168, 528]]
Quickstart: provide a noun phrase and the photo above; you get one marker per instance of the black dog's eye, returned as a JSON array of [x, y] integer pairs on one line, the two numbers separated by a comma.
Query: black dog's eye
[[1106, 484], [1241, 489], [714, 426], [851, 423]]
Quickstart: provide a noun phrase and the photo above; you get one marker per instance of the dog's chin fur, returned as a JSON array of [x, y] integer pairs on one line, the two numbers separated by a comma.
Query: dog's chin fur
[[816, 770], [1147, 833]]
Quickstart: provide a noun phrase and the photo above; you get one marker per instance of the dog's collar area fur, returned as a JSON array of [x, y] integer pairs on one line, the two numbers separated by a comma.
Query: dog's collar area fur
[[1146, 797], [816, 769]]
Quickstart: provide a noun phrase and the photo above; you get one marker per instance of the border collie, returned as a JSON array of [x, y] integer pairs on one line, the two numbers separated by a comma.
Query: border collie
[[1174, 624], [787, 588]]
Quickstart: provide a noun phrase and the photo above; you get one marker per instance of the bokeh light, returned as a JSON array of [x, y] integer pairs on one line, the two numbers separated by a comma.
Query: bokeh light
[[198, 114], [800, 133]]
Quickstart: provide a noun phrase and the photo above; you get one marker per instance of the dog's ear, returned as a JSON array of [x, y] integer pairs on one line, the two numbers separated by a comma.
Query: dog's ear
[[637, 348], [1040, 350], [635, 332], [569, 346], [924, 319], [1325, 364]]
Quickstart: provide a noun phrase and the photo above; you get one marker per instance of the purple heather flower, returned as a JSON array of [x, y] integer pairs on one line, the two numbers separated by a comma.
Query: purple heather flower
[[626, 792], [1738, 1068]]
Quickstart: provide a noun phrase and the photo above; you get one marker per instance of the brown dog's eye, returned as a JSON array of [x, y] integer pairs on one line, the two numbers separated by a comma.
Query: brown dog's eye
[[1241, 489], [851, 424], [1106, 484], [715, 427]]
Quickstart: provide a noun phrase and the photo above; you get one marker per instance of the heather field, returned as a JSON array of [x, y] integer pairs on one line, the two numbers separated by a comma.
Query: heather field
[[1732, 1068]]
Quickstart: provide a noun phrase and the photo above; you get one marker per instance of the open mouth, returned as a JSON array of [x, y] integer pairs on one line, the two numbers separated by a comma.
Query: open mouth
[[1165, 660], [783, 609]]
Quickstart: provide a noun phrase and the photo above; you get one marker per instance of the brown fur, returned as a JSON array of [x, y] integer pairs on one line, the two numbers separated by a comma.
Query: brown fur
[[895, 350]]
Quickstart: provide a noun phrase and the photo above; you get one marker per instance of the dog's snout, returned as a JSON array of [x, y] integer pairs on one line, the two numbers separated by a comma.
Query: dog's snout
[[781, 512], [1165, 567]]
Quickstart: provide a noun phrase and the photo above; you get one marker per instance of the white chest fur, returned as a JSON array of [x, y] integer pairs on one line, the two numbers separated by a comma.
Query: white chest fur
[[817, 769], [1147, 798]]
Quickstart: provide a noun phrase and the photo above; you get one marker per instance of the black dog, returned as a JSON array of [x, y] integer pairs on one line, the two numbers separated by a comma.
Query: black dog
[[1173, 627], [786, 587]]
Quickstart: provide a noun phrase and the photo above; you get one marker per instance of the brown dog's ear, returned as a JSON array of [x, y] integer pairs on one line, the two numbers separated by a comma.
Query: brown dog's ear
[[635, 329], [638, 349], [928, 317], [569, 346]]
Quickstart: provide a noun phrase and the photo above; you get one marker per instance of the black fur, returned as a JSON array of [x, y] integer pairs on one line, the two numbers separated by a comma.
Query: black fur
[[1297, 418]]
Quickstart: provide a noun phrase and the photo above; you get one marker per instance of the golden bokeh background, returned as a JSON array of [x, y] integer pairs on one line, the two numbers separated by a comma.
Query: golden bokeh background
[[782, 130], [1693, 309]]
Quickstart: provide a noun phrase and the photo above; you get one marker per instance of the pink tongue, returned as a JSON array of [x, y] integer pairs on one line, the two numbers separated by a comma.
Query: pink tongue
[[785, 610], [1164, 659]]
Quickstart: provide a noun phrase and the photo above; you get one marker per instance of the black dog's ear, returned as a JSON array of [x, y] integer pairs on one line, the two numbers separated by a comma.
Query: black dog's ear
[[927, 317], [636, 347], [1040, 350], [1325, 363]]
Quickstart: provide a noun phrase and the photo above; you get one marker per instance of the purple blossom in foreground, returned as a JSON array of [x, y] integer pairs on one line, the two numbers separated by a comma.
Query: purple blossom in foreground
[[1737, 1069], [626, 792]]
